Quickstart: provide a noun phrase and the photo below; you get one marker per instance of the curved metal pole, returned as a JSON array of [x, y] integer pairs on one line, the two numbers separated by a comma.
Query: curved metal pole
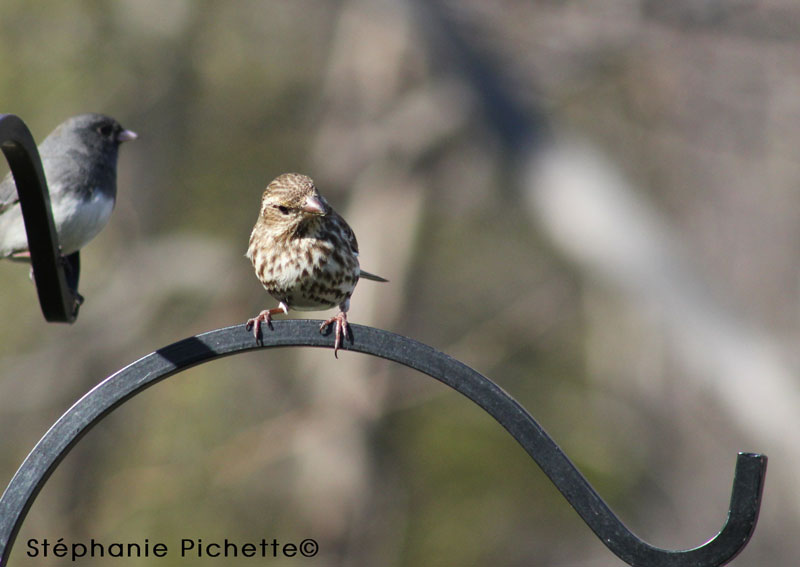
[[119, 387], [59, 303]]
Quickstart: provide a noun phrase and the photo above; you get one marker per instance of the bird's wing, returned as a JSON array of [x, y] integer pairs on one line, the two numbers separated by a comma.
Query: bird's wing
[[8, 193], [345, 231], [351, 240]]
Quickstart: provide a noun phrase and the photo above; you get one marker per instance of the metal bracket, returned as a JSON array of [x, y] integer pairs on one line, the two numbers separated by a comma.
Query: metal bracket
[[58, 295], [131, 380]]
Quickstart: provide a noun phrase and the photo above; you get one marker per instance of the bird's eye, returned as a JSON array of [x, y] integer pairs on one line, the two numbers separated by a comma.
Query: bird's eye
[[105, 130], [282, 209]]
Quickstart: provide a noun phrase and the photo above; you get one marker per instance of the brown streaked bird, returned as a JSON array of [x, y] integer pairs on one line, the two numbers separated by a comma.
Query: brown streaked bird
[[304, 254]]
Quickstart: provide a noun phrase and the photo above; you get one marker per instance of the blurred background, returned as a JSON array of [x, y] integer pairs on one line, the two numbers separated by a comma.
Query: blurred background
[[595, 204]]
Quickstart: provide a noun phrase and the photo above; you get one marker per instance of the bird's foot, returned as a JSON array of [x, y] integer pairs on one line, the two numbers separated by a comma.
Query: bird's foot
[[77, 301], [255, 323], [342, 330], [265, 317]]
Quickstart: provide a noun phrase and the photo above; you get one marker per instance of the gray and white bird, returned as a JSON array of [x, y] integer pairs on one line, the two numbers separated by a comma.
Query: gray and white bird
[[79, 159]]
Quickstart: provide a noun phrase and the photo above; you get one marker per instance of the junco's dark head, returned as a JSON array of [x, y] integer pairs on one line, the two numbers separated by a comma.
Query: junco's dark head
[[81, 154], [79, 159]]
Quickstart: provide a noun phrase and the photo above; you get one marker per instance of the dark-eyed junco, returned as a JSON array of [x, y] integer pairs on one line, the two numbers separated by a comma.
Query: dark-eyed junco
[[79, 159], [304, 253]]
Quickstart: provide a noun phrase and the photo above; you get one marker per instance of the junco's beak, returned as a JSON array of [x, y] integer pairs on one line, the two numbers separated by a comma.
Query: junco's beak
[[127, 135], [315, 206]]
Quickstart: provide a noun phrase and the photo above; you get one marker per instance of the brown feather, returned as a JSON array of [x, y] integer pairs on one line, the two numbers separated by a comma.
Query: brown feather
[[303, 252]]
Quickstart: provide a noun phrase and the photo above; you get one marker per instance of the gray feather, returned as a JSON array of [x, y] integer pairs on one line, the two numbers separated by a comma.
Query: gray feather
[[79, 159]]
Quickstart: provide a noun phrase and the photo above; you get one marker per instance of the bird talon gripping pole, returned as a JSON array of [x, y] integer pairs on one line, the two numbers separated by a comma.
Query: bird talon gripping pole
[[58, 297], [125, 384]]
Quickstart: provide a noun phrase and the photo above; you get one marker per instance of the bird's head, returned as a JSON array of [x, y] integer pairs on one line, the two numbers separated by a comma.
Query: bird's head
[[96, 131], [291, 199], [92, 139]]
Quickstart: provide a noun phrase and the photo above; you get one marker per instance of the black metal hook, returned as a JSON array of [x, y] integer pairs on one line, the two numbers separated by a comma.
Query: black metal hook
[[58, 295], [123, 385]]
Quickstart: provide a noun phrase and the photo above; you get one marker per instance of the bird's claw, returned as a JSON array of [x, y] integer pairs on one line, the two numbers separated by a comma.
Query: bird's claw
[[77, 301], [342, 330], [255, 323]]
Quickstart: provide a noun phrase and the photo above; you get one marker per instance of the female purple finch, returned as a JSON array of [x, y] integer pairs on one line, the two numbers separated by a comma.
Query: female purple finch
[[304, 254]]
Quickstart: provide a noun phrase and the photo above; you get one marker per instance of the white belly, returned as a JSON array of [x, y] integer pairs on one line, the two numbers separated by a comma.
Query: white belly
[[78, 222]]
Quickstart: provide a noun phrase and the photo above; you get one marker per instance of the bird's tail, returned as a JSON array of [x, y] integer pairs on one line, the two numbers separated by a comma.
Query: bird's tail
[[373, 277]]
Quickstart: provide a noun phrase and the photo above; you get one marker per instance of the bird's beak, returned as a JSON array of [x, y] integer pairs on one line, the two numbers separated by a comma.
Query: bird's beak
[[126, 136], [315, 206]]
